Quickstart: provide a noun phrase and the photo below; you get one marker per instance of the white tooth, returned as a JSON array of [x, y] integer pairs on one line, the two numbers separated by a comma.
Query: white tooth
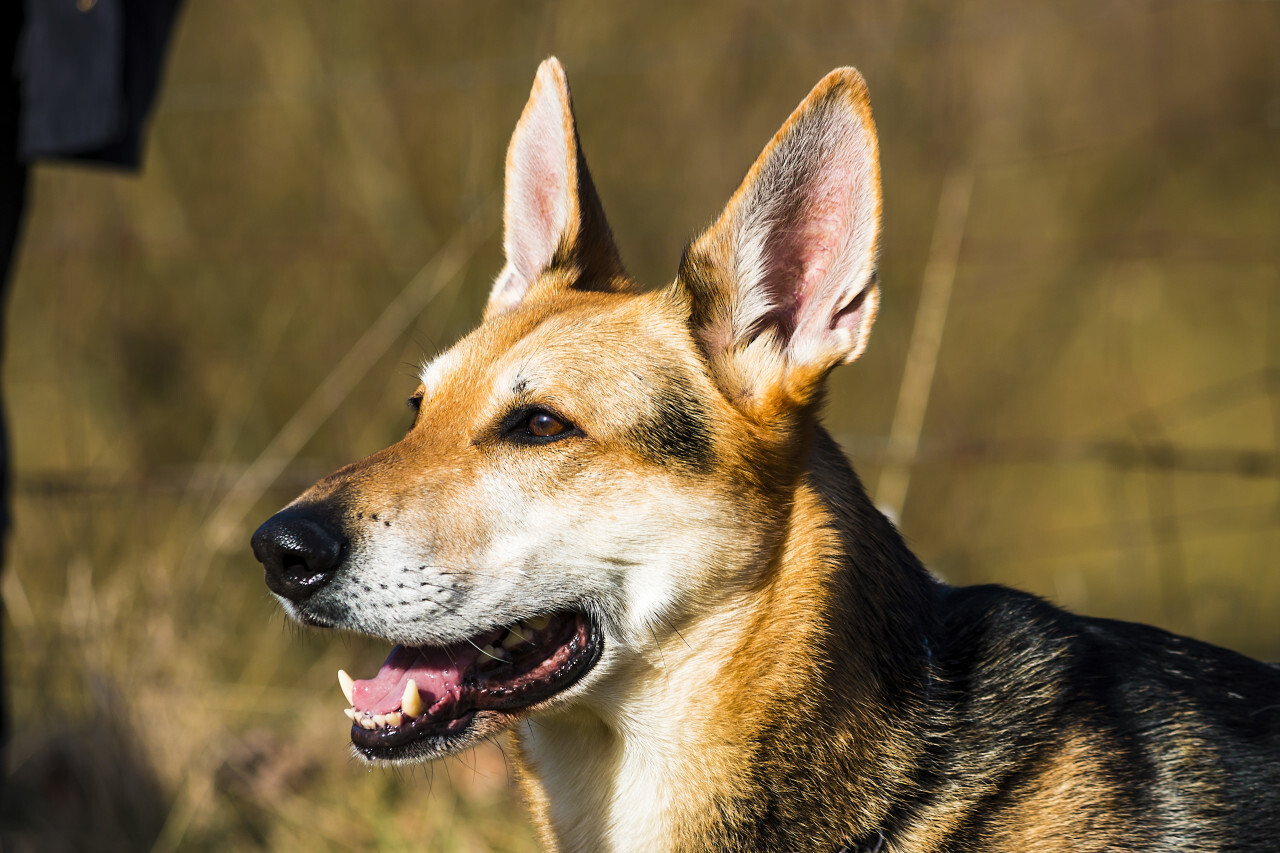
[[513, 639], [394, 718], [351, 714], [366, 722], [411, 702], [348, 686], [537, 623], [379, 720], [488, 649]]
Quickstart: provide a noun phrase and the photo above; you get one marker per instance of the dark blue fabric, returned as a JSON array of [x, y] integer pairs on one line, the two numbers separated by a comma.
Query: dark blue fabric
[[89, 71]]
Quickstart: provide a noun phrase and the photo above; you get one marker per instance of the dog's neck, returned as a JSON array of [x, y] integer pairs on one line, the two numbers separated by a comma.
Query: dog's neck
[[739, 734]]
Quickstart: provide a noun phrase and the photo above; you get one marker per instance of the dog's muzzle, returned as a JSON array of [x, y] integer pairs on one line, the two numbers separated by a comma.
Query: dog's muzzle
[[299, 552]]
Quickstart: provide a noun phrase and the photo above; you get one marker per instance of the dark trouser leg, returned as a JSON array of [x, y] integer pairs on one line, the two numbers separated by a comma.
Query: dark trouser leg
[[13, 192]]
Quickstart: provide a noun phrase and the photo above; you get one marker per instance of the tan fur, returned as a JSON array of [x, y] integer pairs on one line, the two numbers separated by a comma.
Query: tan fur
[[1069, 802]]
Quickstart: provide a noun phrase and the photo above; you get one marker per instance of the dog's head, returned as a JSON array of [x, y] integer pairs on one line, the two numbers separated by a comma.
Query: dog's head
[[594, 466]]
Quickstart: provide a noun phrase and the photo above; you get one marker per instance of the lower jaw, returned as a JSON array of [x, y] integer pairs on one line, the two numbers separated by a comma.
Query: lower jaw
[[425, 741]]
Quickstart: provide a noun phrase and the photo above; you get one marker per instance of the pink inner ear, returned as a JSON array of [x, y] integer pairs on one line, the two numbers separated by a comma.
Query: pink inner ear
[[545, 220], [824, 236], [539, 195], [806, 245]]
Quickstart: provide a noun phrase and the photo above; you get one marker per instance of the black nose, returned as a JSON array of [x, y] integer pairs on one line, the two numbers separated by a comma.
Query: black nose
[[299, 551]]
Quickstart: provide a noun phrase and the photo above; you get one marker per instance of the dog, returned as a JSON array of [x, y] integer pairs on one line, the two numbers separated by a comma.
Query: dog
[[617, 517]]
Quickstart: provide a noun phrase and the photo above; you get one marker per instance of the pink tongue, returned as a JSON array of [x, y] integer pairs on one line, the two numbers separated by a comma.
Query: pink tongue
[[437, 672]]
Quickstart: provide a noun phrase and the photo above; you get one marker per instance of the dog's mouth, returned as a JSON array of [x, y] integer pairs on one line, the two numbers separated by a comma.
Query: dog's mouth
[[430, 700]]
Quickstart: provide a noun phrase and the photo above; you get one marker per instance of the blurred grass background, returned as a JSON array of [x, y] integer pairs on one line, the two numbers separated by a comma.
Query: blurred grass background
[[1092, 190]]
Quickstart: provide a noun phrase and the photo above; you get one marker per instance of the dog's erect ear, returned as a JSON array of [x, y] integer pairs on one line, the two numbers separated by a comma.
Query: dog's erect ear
[[552, 217], [783, 286]]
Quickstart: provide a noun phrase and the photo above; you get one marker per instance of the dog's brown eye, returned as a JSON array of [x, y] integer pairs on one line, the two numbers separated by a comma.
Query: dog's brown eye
[[545, 425], [535, 425], [414, 402]]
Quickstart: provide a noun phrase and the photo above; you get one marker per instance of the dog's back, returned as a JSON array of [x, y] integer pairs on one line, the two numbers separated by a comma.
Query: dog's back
[[1113, 735]]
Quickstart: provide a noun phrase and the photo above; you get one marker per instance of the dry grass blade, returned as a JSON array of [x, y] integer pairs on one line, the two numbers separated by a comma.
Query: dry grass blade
[[926, 339]]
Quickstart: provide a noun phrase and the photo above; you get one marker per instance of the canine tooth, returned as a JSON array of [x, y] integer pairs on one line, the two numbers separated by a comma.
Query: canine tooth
[[348, 685], [394, 718], [537, 623], [411, 703], [351, 714], [513, 639]]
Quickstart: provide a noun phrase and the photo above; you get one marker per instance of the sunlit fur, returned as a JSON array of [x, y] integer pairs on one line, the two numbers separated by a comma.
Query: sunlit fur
[[779, 672]]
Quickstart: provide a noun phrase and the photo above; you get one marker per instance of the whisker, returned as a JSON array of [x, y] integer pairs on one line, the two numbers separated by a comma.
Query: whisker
[[473, 766], [666, 673], [447, 774], [678, 634], [658, 646], [506, 760], [494, 573], [471, 643], [484, 571]]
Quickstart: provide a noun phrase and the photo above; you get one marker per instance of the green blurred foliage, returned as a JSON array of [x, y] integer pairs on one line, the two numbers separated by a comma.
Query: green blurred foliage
[[1117, 290]]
